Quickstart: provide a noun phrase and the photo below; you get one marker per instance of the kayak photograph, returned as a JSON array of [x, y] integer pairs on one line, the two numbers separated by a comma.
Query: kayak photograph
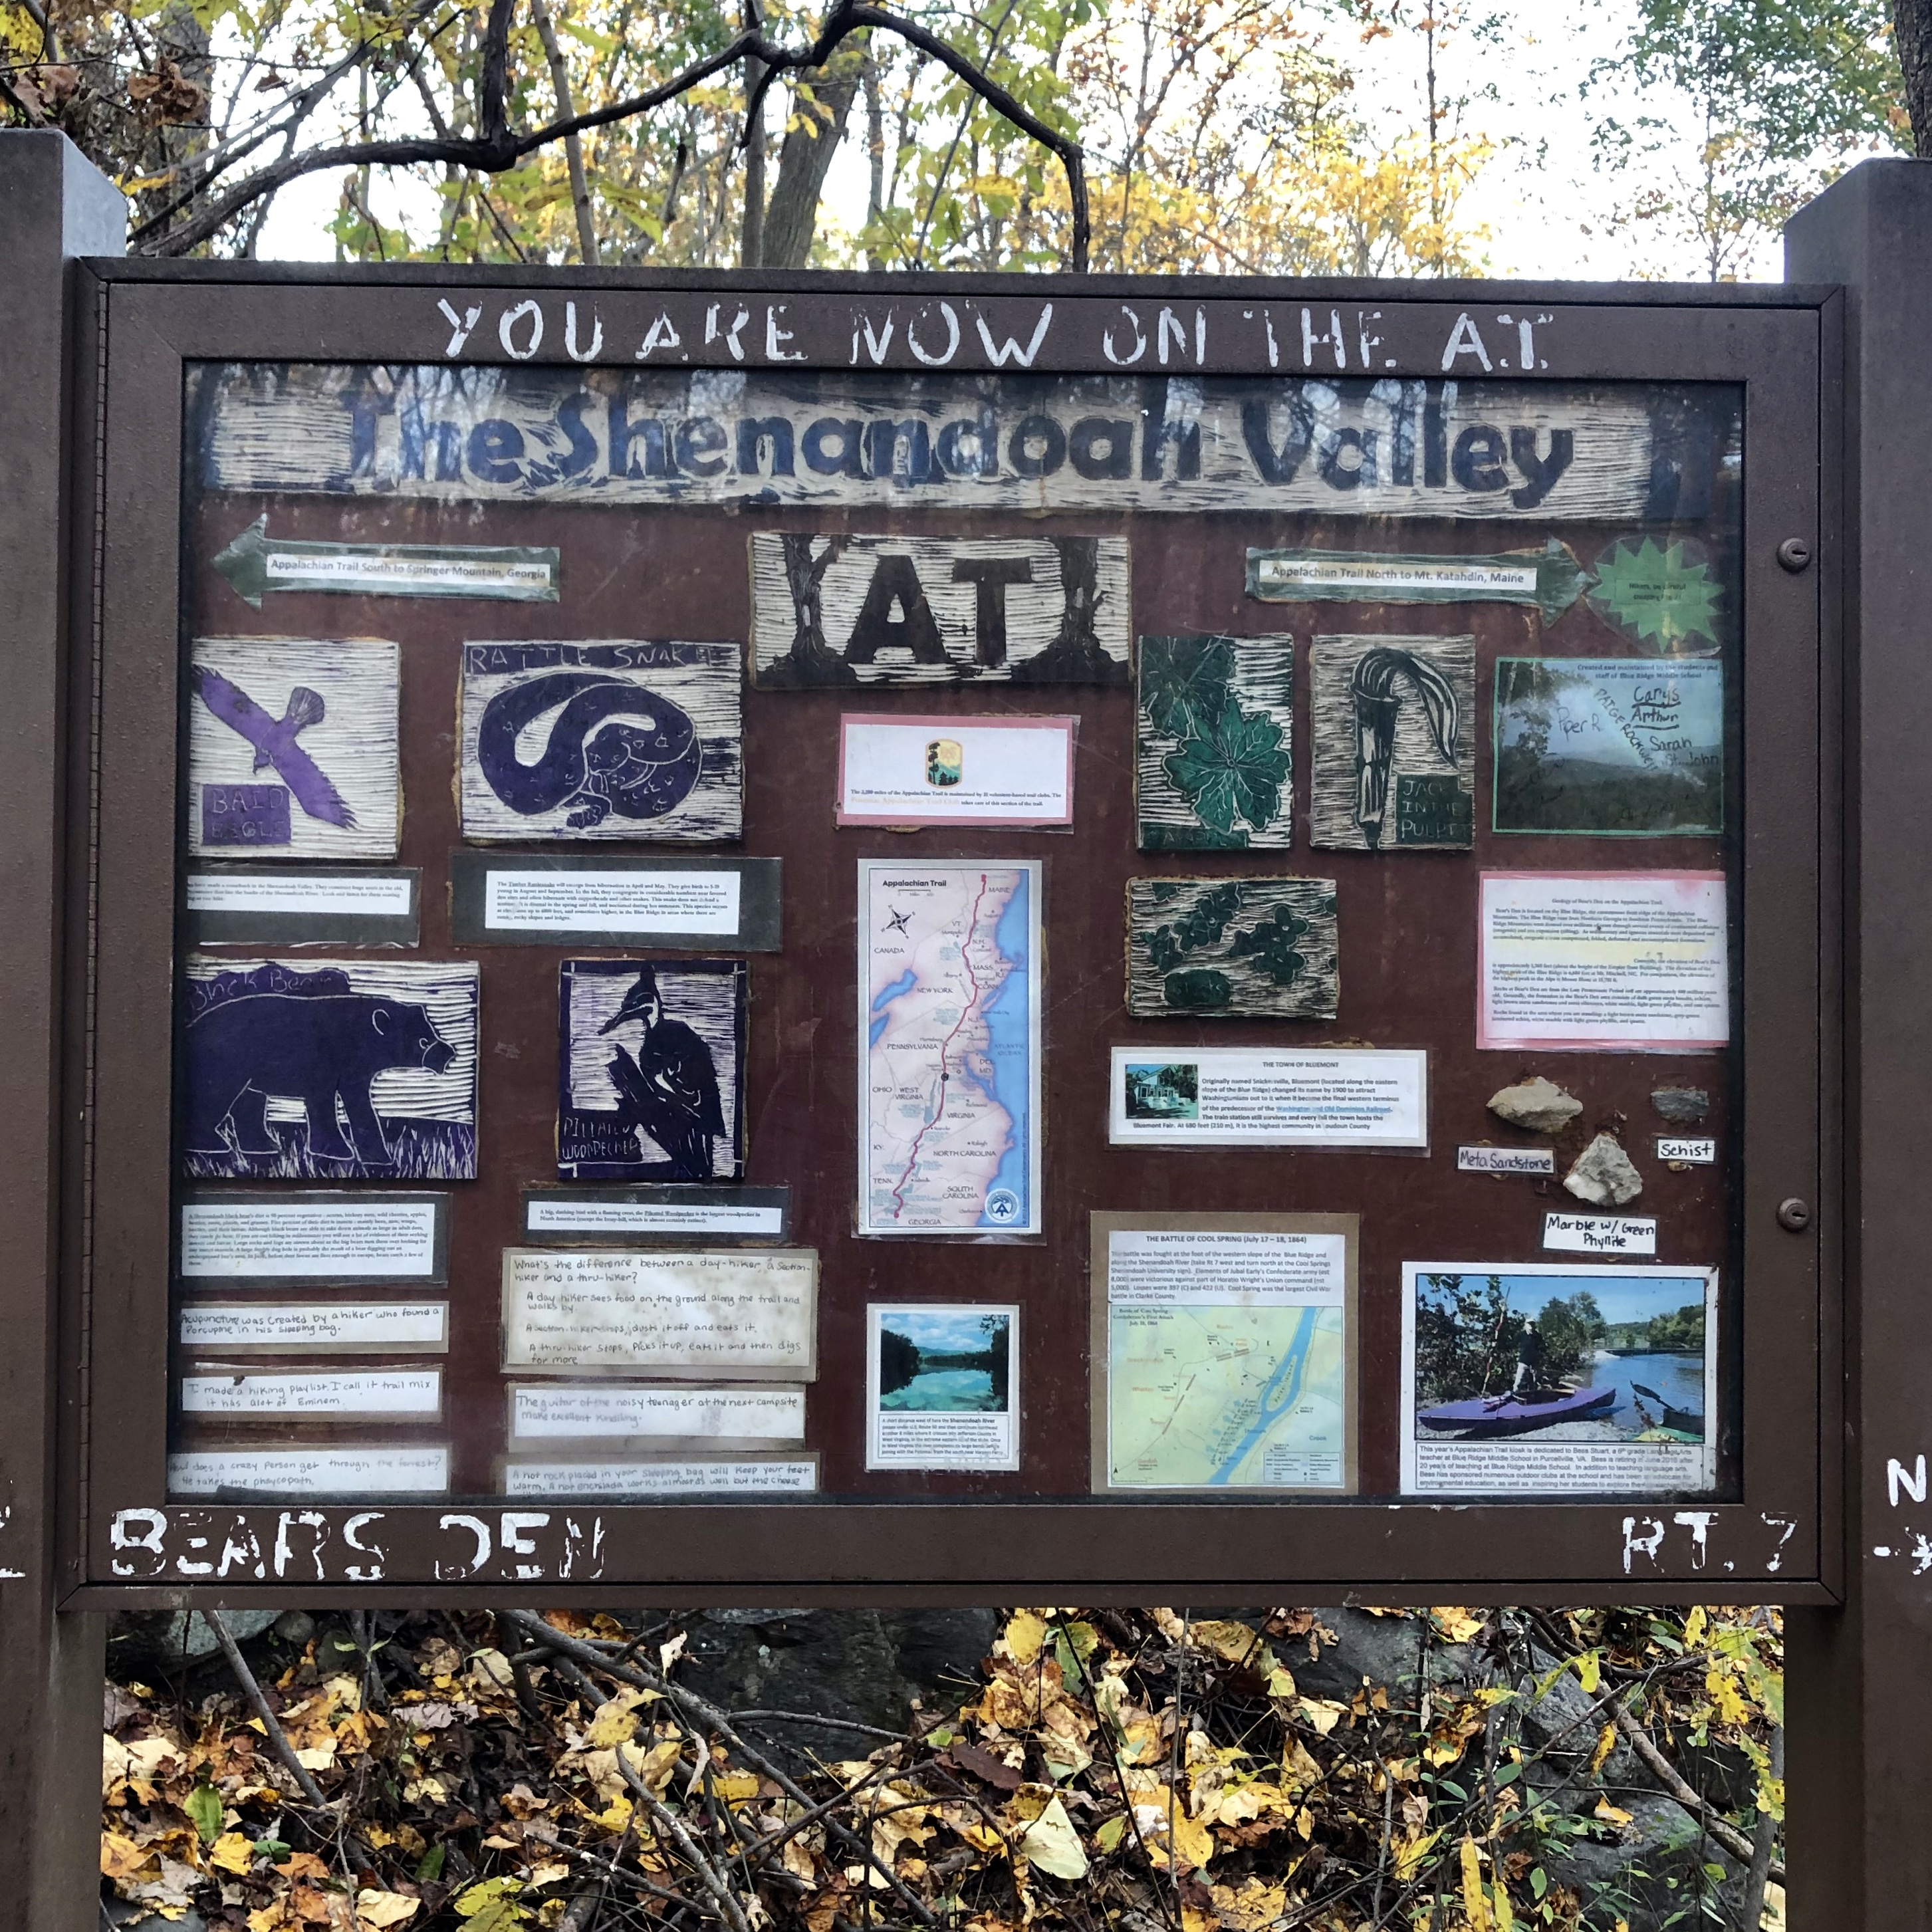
[[1594, 1354]]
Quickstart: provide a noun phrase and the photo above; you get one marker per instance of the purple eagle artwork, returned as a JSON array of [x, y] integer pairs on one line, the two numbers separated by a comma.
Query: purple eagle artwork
[[292, 749]]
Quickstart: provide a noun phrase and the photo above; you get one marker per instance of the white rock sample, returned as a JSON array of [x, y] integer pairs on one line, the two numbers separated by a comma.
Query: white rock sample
[[1539, 1105], [1603, 1175]]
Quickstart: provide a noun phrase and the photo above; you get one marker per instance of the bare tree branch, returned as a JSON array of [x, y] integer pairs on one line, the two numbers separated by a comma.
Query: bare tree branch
[[496, 148]]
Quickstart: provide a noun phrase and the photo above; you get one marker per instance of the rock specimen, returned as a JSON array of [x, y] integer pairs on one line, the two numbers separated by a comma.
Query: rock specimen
[[1681, 1103], [1539, 1105], [1603, 1175]]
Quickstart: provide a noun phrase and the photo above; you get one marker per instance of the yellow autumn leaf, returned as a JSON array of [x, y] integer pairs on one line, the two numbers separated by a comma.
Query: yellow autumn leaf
[[737, 1785], [271, 1916], [1193, 1919], [1411, 1852], [1233, 1642], [1192, 1841], [1589, 1671], [1694, 1628], [1322, 1715], [549, 1874], [614, 1722], [1612, 1814], [1457, 1625], [1052, 1844], [384, 1908], [1281, 1682], [1607, 1739], [233, 1852], [1110, 1833], [1474, 1908], [1252, 1907], [1499, 1900], [317, 1757], [1025, 1635], [120, 1857]]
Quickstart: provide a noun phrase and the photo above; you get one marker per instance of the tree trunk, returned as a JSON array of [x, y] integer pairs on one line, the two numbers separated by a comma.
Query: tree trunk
[[573, 146], [751, 233], [803, 160], [1912, 20]]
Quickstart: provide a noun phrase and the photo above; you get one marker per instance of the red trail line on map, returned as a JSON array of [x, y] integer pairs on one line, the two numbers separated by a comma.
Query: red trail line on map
[[966, 1013]]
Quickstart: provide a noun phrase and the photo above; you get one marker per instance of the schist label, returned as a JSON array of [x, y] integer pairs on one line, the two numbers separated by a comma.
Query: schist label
[[1687, 1151]]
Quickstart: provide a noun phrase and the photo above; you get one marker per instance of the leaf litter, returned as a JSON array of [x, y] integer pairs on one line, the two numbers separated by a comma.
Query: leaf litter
[[1134, 1768]]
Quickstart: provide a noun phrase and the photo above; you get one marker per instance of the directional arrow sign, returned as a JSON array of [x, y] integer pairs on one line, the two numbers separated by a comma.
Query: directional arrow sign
[[255, 564], [1550, 578]]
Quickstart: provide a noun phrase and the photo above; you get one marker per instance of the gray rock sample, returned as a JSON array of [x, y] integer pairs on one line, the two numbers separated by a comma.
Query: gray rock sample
[[1539, 1105], [1603, 1175], [1686, 1104]]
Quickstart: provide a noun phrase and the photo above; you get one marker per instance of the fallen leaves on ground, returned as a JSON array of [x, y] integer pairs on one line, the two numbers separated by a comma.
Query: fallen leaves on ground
[[1138, 1768]]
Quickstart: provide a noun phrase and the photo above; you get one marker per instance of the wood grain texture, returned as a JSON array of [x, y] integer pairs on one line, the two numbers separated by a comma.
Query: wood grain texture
[[1339, 725], [1179, 752], [350, 742], [621, 738], [847, 611], [1344, 446], [1233, 949]]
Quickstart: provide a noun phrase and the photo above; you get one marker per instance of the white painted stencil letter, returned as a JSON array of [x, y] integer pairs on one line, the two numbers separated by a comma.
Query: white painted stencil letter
[[515, 1542], [1000, 353], [1698, 1523], [1650, 1542], [1896, 1479], [136, 1529], [506, 330], [1332, 335], [1464, 340], [460, 325], [576, 354], [1108, 347]]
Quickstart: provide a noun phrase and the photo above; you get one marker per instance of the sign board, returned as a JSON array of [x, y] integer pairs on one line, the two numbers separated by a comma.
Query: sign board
[[1116, 909]]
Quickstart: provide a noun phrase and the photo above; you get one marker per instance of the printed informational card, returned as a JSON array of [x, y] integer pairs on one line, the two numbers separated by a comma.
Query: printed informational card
[[1603, 962], [669, 1212], [269, 905], [316, 1327], [683, 904], [911, 771], [942, 1386], [682, 1476], [619, 1412], [950, 989], [1558, 1379], [208, 1388], [1269, 1096], [1223, 1351], [747, 1314], [316, 1469], [302, 1240]]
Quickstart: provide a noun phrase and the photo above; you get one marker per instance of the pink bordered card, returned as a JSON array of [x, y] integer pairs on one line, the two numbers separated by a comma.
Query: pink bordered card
[[904, 771], [1590, 962]]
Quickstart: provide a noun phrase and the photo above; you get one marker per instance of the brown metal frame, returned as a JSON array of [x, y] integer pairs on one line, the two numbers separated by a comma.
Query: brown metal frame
[[1781, 1539]]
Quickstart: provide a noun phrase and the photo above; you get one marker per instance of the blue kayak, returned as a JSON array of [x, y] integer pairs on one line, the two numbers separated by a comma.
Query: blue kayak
[[1516, 1415]]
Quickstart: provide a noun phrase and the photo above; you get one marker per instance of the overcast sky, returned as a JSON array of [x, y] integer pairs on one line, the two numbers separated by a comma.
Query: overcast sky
[[1548, 212]]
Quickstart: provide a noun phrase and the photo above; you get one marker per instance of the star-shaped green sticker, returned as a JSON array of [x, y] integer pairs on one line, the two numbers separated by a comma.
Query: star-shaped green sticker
[[1658, 594]]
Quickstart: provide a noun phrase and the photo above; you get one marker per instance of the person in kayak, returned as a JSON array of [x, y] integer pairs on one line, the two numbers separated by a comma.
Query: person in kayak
[[1528, 1365]]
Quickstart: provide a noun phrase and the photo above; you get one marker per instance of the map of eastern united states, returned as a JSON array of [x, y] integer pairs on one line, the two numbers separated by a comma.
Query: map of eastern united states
[[1226, 1397], [946, 1100]]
